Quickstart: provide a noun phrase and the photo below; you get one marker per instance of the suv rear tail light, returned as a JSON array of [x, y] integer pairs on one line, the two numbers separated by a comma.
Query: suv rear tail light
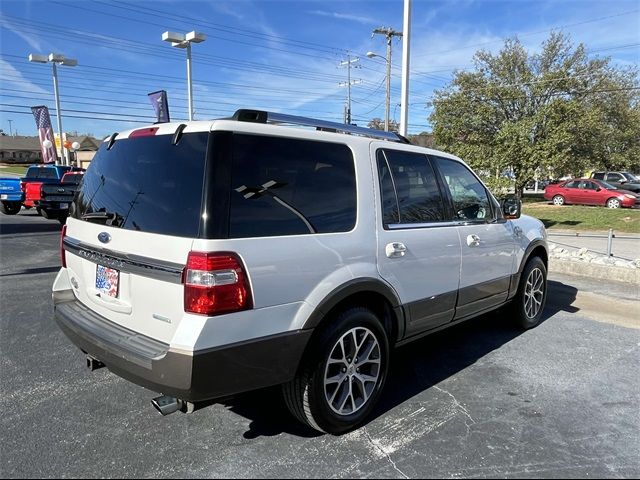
[[215, 283], [63, 254]]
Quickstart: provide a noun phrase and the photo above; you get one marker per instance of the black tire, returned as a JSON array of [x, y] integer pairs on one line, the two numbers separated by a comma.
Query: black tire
[[46, 213], [62, 218], [10, 208], [527, 306], [38, 210], [307, 395]]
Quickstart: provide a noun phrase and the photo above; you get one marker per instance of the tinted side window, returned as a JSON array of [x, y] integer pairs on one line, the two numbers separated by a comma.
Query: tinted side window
[[599, 176], [410, 192], [572, 184], [615, 177], [285, 186], [470, 199]]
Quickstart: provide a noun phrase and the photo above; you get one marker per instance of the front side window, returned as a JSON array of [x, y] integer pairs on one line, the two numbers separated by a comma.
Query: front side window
[[285, 186], [410, 192], [470, 199], [616, 177]]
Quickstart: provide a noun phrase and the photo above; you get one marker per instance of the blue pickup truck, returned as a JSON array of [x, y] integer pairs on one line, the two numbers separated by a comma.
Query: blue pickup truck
[[16, 192], [11, 195]]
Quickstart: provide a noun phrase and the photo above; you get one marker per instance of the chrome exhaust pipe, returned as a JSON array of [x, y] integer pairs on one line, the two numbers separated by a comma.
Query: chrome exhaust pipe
[[166, 405]]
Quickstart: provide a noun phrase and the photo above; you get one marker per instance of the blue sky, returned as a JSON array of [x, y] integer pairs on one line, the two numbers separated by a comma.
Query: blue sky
[[273, 55]]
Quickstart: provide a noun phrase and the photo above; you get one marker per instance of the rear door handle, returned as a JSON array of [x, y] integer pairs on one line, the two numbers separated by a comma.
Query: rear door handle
[[395, 249], [473, 240]]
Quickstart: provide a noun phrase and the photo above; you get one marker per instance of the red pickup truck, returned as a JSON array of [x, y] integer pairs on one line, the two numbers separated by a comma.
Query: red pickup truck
[[33, 182]]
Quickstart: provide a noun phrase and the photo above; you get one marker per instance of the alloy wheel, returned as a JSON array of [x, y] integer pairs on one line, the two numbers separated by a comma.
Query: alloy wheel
[[353, 371], [533, 293]]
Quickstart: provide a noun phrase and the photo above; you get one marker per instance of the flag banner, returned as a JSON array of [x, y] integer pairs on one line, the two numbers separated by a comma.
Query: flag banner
[[160, 105], [45, 132]]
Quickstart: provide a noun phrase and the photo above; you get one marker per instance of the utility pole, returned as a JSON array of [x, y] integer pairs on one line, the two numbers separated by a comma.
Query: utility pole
[[389, 33], [10, 131], [404, 97], [348, 62]]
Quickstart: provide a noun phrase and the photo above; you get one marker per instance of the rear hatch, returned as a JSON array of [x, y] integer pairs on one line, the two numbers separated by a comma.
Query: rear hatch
[[10, 188], [63, 191], [131, 228]]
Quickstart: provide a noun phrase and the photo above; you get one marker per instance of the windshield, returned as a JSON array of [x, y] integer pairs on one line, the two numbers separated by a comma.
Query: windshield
[[607, 186], [146, 184], [630, 177]]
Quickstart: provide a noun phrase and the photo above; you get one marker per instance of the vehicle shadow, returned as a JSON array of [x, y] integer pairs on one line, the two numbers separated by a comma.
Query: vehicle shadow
[[415, 367], [10, 227]]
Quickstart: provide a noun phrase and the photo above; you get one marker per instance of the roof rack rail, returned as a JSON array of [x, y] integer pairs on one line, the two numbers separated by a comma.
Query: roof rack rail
[[260, 116]]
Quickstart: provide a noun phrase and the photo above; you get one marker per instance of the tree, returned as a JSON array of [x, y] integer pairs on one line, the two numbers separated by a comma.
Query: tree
[[548, 113], [378, 124]]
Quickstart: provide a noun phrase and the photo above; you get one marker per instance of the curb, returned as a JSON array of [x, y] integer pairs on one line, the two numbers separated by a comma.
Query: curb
[[602, 272]]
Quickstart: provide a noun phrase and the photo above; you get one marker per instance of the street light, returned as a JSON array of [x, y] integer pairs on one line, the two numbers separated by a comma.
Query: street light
[[55, 59], [180, 40], [388, 102]]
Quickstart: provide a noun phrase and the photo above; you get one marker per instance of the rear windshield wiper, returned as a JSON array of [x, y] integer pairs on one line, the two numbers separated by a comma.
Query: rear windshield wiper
[[110, 218]]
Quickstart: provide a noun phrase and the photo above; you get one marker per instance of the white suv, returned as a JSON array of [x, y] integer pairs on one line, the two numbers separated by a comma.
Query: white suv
[[206, 259]]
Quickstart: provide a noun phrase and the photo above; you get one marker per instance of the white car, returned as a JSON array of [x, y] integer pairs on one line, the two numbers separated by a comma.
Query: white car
[[210, 258]]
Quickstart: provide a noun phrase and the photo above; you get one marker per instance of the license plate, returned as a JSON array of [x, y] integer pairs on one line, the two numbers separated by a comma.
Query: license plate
[[64, 206], [3, 197], [107, 281]]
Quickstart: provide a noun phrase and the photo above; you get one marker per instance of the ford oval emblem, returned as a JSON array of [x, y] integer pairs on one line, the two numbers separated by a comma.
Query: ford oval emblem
[[104, 237]]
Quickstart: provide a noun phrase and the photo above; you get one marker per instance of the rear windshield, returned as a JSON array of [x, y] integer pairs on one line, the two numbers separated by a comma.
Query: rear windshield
[[42, 172], [146, 184], [72, 178]]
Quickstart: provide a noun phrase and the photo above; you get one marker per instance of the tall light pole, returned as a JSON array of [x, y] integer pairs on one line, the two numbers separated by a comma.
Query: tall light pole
[[56, 59], [181, 40], [404, 96], [389, 33]]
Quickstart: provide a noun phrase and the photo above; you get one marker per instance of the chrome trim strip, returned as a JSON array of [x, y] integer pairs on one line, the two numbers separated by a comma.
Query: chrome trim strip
[[405, 226], [129, 263]]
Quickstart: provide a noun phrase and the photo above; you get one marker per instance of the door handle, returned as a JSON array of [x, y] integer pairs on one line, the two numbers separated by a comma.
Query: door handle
[[473, 240], [395, 249]]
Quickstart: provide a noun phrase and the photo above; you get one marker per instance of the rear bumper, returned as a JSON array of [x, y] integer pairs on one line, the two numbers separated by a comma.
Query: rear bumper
[[193, 376]]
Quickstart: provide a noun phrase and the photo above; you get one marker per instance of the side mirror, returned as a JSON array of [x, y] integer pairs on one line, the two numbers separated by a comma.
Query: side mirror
[[598, 189], [511, 207]]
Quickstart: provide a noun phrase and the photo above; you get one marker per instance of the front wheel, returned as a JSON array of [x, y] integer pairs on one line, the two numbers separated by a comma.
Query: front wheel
[[613, 203], [531, 297], [343, 373], [10, 208], [558, 200]]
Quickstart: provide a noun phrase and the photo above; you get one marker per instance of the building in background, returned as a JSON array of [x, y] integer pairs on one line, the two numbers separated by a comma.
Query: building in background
[[26, 150]]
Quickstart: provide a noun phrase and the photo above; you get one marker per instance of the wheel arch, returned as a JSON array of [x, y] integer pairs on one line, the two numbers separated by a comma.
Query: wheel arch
[[365, 292]]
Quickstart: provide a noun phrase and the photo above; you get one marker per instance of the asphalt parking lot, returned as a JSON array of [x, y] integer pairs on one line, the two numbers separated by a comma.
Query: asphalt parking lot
[[479, 400]]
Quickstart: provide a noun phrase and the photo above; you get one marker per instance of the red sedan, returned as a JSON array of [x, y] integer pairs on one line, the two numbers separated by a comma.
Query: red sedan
[[590, 192]]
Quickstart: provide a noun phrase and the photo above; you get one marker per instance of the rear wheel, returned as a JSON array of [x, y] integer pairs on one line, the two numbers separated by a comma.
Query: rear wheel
[[558, 200], [529, 302], [613, 203], [10, 208], [45, 213], [343, 374]]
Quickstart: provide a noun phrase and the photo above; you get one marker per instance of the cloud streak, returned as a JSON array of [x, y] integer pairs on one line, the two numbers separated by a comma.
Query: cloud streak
[[345, 16]]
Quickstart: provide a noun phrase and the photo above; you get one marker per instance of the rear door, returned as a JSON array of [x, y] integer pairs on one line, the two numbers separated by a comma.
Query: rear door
[[131, 228], [418, 244], [487, 240]]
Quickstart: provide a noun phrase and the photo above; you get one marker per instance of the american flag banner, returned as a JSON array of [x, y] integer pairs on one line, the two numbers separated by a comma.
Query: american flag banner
[[160, 105], [45, 132]]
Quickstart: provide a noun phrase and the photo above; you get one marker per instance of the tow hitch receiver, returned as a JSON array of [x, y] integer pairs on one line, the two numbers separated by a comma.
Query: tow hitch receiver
[[93, 363]]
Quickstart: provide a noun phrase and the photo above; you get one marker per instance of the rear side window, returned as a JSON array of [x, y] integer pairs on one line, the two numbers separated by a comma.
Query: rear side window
[[410, 192], [285, 186], [72, 178], [599, 176], [146, 184]]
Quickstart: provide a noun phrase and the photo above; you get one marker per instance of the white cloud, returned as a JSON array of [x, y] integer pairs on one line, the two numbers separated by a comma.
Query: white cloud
[[32, 41], [345, 16], [13, 77]]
